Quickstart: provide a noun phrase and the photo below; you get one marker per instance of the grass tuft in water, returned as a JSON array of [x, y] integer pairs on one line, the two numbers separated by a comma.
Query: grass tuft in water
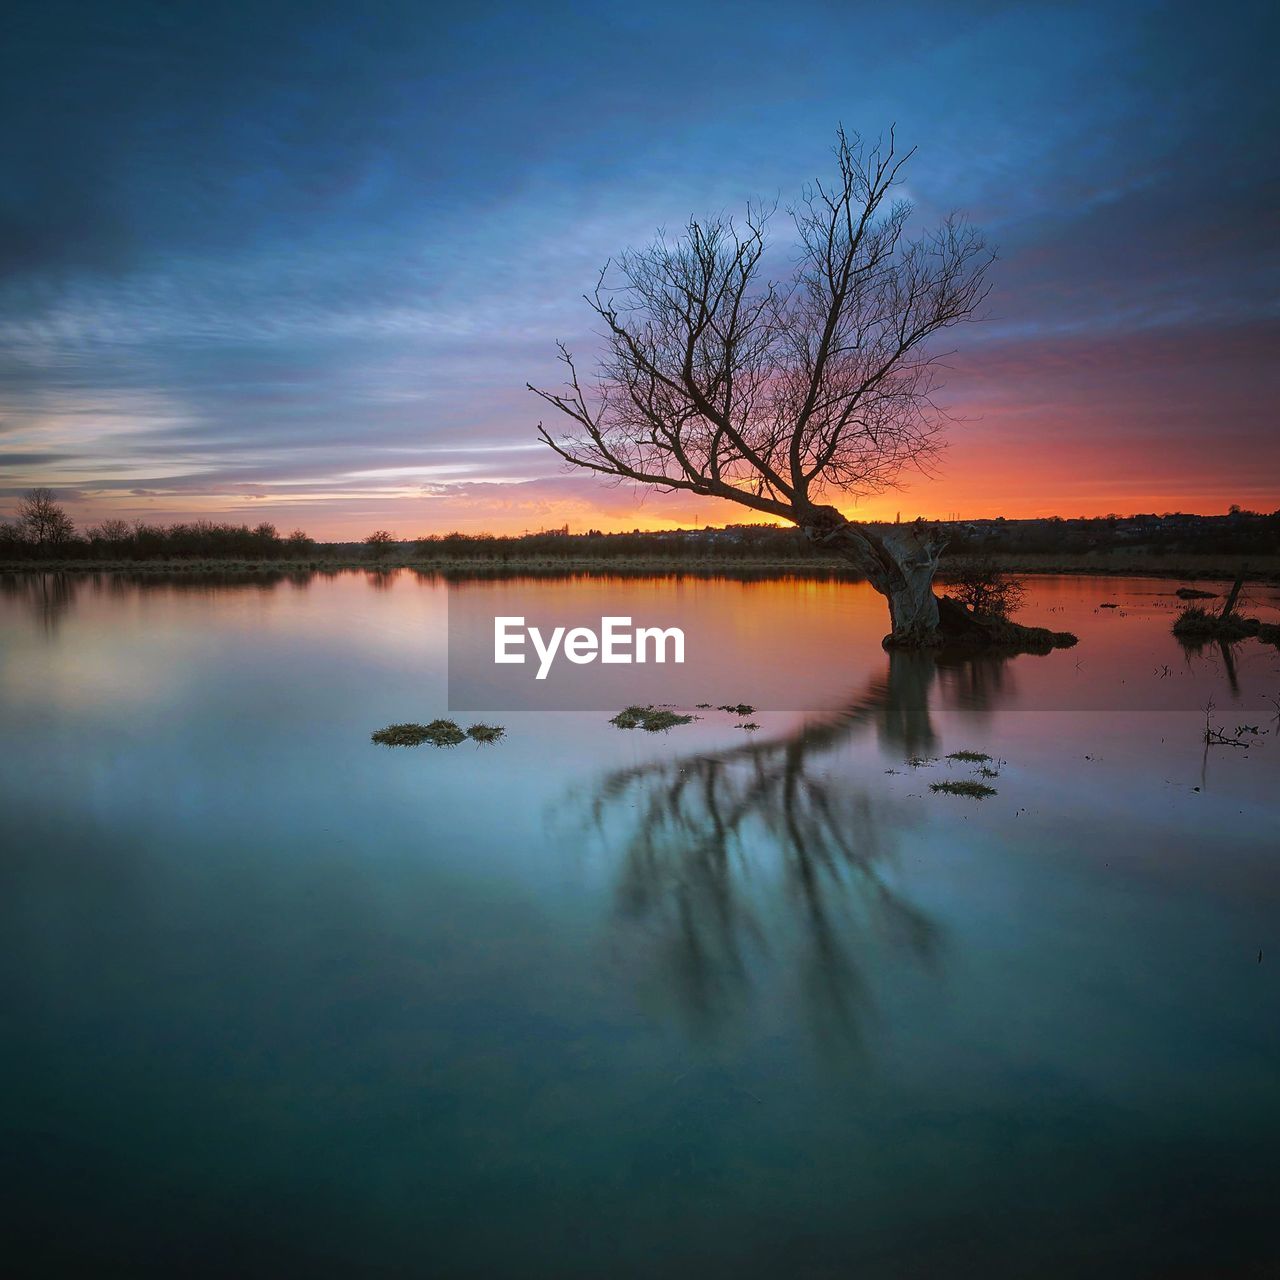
[[737, 708], [970, 757], [1195, 622], [485, 732], [439, 733], [974, 790], [650, 719]]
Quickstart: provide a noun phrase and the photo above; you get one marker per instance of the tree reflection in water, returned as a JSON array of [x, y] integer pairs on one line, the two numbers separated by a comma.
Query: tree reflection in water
[[51, 596], [48, 596], [780, 851]]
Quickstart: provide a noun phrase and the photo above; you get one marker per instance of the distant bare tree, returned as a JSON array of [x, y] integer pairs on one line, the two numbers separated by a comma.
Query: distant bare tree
[[112, 532], [775, 394], [43, 521]]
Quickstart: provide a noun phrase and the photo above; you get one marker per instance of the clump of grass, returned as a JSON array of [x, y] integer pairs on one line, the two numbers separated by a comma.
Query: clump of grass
[[704, 706], [1196, 622], [737, 708], [984, 772], [1001, 634], [485, 732], [964, 787], [1194, 593], [922, 762], [439, 733], [650, 719], [749, 725], [970, 757]]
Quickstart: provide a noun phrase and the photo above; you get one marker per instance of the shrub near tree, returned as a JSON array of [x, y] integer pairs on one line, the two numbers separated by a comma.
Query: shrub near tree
[[983, 589]]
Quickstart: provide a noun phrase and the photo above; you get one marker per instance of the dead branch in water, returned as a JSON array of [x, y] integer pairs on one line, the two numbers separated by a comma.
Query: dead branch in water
[[1218, 737]]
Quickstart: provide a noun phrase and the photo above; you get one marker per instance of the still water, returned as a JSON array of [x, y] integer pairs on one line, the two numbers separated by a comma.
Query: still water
[[591, 1002]]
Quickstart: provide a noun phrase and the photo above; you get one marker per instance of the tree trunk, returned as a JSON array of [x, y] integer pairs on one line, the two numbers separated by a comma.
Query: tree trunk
[[900, 564], [913, 608]]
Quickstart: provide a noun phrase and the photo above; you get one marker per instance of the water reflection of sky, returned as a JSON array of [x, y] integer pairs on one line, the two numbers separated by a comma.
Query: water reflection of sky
[[733, 983]]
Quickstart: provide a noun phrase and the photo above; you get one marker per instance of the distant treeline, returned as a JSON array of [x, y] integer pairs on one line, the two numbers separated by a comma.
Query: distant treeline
[[116, 540], [743, 542], [44, 531], [1240, 532]]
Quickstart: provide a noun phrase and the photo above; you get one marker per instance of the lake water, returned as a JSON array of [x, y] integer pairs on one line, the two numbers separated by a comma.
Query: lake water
[[591, 1002]]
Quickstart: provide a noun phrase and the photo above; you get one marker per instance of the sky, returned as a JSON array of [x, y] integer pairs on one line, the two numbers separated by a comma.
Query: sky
[[297, 261]]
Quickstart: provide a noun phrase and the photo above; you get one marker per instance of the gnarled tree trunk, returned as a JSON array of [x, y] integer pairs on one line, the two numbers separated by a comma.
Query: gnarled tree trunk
[[913, 608], [900, 564]]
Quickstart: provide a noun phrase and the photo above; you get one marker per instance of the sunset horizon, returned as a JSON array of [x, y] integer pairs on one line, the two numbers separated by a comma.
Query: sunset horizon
[[968, 486]]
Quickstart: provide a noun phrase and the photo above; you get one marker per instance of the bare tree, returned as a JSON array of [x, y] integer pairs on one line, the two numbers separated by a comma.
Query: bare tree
[[776, 394], [43, 521], [112, 532]]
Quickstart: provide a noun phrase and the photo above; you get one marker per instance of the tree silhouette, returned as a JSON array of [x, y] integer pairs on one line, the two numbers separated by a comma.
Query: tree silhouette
[[721, 382], [43, 521]]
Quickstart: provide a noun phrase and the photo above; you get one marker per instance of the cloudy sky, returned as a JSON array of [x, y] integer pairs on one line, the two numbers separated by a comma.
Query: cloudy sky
[[296, 261]]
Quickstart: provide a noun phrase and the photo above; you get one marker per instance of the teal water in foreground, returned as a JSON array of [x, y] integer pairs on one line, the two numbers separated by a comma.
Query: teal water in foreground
[[590, 1002]]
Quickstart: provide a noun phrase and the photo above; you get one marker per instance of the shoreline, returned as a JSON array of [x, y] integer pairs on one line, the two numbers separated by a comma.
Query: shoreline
[[1263, 568]]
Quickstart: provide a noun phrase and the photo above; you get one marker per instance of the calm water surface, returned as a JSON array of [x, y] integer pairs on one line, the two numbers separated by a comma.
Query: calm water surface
[[591, 1002]]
